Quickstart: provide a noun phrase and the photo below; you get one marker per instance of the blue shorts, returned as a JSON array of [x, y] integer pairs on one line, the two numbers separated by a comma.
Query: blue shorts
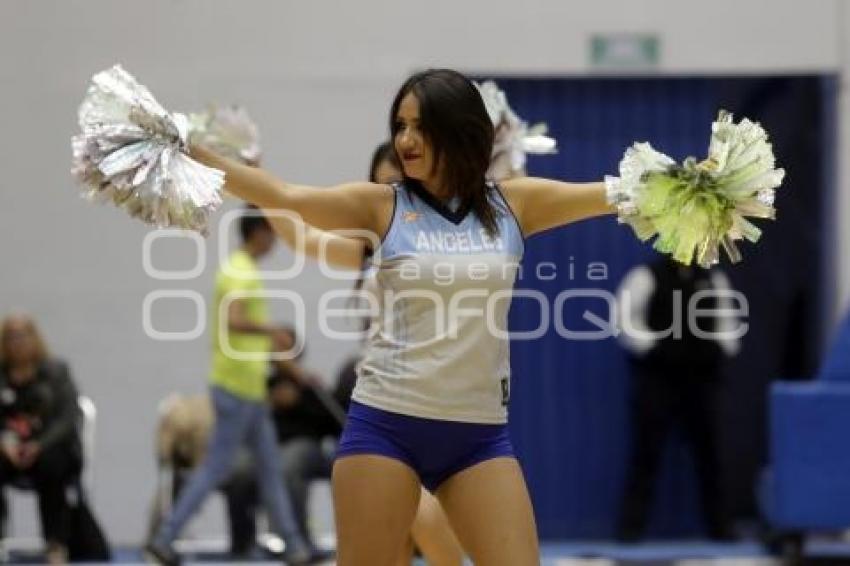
[[434, 449]]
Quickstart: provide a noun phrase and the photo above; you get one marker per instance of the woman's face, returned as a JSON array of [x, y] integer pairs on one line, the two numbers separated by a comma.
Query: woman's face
[[20, 341], [414, 151]]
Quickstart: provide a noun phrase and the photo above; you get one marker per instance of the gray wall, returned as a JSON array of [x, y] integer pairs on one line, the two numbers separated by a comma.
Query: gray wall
[[318, 77]]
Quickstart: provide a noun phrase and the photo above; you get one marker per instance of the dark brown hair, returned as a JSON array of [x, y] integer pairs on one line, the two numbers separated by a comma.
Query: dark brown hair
[[251, 221]]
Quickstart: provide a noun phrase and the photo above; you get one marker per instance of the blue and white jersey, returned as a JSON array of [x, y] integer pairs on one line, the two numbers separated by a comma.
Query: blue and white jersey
[[438, 347]]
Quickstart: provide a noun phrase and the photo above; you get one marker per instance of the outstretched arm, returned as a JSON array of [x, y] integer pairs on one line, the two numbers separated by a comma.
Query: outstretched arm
[[358, 206], [329, 248], [541, 204]]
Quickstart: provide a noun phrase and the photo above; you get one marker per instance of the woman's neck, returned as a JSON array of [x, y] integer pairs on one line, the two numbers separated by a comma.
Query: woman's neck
[[437, 189]]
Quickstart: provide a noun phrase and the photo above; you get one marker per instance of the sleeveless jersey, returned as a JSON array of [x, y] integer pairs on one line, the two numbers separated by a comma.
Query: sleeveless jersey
[[441, 288]]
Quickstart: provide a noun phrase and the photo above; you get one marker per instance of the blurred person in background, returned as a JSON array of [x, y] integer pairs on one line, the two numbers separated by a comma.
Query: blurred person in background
[[238, 394], [675, 376], [308, 423], [182, 436], [39, 441]]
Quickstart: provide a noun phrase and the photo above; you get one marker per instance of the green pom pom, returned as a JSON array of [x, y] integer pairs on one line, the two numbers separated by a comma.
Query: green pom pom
[[694, 208]]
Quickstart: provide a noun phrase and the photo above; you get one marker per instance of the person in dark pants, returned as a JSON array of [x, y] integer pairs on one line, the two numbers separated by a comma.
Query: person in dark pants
[[38, 436], [305, 418], [676, 364]]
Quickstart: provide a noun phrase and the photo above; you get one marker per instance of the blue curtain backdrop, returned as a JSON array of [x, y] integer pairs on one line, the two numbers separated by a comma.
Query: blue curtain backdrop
[[570, 398]]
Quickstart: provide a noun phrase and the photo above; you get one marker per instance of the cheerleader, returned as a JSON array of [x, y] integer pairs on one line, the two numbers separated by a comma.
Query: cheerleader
[[430, 405]]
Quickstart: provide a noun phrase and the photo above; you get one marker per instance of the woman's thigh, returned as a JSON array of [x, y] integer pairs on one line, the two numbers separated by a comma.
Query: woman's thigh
[[490, 511], [375, 501]]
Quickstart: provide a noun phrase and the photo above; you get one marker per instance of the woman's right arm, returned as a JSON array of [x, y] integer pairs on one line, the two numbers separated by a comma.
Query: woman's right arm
[[357, 206]]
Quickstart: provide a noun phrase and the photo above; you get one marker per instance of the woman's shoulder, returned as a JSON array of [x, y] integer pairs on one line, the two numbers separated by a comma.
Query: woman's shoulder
[[378, 197], [509, 189]]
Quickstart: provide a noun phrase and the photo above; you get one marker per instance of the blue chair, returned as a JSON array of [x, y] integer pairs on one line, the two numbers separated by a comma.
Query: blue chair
[[807, 486]]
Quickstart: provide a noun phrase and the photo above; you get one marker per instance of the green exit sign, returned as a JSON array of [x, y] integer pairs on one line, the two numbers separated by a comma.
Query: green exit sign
[[624, 50]]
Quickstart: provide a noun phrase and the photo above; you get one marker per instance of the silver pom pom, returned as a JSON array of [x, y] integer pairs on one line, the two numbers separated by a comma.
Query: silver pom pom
[[227, 130], [131, 152], [513, 139]]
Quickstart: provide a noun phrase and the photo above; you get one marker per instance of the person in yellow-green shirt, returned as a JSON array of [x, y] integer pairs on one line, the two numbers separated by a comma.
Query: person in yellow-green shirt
[[242, 340]]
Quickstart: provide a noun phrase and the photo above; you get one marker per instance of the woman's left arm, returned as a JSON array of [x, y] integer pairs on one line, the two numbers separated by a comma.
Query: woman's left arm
[[541, 204]]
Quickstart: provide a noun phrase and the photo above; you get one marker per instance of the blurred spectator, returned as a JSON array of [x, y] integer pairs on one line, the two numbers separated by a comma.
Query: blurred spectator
[[241, 345], [308, 423], [38, 416], [185, 423], [302, 421], [676, 374]]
